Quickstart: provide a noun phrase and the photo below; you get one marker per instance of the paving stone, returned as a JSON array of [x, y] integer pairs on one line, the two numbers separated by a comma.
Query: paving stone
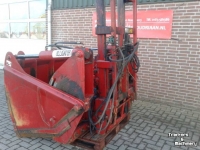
[[26, 139], [183, 129], [122, 147], [38, 149], [142, 146], [130, 143], [13, 147], [130, 131], [172, 127], [119, 142], [123, 134], [138, 128], [137, 140], [3, 147], [146, 129], [134, 135], [170, 143], [46, 142], [13, 138], [22, 148], [163, 127], [123, 130], [149, 122], [149, 141], [125, 138], [44, 147], [155, 138], [191, 148], [192, 123], [144, 136], [36, 145], [116, 137], [153, 126], [68, 146], [195, 138], [127, 126], [6, 136], [176, 148], [35, 140], [162, 134], [112, 146], [133, 124], [24, 144], [140, 121], [187, 120], [171, 139], [151, 133], [5, 141], [143, 124], [160, 143], [141, 132], [166, 147], [131, 148], [157, 129], [61, 148], [158, 123]]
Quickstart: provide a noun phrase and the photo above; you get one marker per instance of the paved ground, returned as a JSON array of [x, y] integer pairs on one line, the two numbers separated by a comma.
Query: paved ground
[[148, 129]]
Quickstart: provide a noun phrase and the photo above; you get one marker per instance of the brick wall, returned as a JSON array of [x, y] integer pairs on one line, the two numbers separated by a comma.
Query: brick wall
[[170, 69]]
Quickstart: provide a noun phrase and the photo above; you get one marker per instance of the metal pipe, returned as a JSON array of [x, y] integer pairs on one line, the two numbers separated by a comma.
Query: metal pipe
[[101, 38], [135, 40], [121, 19], [27, 56], [134, 21], [113, 19]]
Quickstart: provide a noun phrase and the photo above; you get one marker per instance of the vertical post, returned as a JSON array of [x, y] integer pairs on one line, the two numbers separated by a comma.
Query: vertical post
[[121, 26], [135, 40], [113, 19], [121, 19], [101, 39], [101, 43], [134, 21], [113, 47]]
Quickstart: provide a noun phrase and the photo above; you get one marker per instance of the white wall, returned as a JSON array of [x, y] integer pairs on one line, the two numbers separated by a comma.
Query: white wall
[[14, 45]]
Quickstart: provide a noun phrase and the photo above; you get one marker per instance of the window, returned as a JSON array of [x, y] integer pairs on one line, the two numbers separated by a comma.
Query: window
[[24, 19], [37, 30], [19, 11], [4, 30], [19, 30], [37, 9], [4, 14]]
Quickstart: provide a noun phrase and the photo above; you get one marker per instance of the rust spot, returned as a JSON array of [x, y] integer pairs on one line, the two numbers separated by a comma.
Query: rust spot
[[20, 119]]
